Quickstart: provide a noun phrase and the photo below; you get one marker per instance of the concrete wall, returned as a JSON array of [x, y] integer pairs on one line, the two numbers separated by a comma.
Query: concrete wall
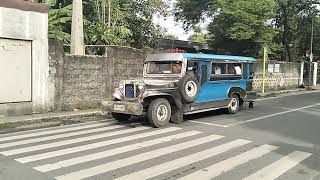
[[287, 77], [31, 26], [83, 81]]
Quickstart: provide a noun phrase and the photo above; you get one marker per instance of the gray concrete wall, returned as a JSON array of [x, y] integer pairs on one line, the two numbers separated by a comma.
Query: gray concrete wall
[[31, 26], [81, 82], [288, 76]]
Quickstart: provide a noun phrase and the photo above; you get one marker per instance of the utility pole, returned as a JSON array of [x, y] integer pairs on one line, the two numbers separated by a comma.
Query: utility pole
[[77, 38], [109, 14], [311, 52]]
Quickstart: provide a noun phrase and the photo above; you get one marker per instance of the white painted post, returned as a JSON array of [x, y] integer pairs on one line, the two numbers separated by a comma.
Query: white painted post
[[301, 73], [315, 73], [77, 38]]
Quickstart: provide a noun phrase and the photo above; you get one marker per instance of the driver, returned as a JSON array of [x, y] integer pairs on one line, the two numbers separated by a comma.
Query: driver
[[176, 69]]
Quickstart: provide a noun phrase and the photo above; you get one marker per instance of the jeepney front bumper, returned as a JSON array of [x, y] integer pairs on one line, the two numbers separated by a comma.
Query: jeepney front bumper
[[251, 96], [124, 107]]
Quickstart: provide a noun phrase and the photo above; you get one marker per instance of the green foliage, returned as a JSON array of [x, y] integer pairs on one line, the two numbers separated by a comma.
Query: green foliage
[[130, 22], [59, 21], [199, 36], [245, 26]]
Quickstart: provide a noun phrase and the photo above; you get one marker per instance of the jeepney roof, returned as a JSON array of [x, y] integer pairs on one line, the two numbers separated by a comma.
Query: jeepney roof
[[197, 56]]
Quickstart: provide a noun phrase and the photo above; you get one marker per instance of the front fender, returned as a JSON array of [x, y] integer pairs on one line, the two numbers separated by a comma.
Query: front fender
[[172, 94]]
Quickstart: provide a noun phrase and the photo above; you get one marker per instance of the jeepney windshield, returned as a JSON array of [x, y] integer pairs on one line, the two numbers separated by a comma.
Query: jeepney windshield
[[164, 67]]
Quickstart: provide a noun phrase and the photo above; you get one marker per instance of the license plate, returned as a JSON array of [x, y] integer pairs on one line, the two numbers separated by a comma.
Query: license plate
[[119, 107]]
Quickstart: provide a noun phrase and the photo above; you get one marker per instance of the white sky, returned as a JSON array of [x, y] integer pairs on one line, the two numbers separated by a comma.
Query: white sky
[[172, 27]]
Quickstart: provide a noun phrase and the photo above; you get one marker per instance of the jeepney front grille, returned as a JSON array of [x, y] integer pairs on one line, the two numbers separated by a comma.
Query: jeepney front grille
[[130, 91]]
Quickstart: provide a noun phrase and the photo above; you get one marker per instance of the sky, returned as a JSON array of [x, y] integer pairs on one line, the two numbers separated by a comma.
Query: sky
[[176, 28], [172, 27]]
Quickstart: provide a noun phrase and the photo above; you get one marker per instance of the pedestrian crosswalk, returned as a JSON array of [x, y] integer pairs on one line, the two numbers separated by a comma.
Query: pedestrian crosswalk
[[86, 151]]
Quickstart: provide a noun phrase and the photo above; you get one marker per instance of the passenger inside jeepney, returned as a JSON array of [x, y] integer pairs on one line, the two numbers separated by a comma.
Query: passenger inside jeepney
[[176, 68]]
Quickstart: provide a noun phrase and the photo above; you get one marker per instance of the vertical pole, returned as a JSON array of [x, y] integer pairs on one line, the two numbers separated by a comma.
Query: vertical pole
[[311, 54], [315, 73], [77, 39], [109, 14], [301, 73], [264, 69]]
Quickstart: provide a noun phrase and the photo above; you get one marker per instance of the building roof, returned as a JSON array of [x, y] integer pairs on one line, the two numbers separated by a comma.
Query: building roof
[[197, 56]]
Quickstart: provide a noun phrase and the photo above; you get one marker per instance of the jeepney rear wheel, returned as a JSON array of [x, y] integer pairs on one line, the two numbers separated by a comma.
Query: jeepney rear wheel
[[159, 112], [120, 116], [188, 88], [234, 104]]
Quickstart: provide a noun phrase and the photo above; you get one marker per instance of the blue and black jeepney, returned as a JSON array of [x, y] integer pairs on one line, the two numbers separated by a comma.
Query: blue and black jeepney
[[177, 84]]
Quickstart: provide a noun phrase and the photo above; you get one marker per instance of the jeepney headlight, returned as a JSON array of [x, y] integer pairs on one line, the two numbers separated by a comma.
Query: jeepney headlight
[[141, 85]]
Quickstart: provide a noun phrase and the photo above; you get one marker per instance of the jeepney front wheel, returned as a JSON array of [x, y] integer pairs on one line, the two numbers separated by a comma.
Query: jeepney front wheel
[[234, 104], [121, 117], [159, 112]]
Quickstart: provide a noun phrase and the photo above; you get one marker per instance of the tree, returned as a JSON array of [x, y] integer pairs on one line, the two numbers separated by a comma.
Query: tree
[[199, 36], [237, 27], [244, 26], [294, 21], [60, 23]]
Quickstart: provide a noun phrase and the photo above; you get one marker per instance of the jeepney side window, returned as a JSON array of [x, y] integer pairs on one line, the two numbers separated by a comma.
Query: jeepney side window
[[251, 71], [192, 68], [219, 68], [245, 71], [226, 71]]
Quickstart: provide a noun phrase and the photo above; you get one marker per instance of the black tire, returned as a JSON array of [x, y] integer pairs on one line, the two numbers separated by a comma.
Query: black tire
[[188, 88], [121, 117], [154, 112], [234, 104], [250, 105]]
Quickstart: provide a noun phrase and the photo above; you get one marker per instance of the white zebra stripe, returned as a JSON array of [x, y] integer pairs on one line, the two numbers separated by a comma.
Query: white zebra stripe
[[227, 165], [23, 134], [279, 167], [92, 145], [59, 136], [184, 161], [70, 141], [108, 153], [136, 159]]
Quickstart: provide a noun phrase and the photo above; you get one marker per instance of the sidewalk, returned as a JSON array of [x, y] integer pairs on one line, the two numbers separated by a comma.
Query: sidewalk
[[298, 90]]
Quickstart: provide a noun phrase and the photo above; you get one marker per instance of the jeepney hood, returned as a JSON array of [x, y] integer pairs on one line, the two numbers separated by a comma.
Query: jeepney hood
[[159, 82]]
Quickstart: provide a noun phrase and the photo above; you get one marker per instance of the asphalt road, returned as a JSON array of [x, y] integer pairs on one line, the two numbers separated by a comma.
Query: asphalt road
[[278, 139]]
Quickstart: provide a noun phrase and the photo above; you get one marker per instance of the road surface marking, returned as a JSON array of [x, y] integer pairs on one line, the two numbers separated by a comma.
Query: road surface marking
[[93, 145], [136, 159], [111, 152], [184, 161], [51, 130], [279, 167], [210, 124], [70, 141], [272, 115], [59, 136], [227, 165]]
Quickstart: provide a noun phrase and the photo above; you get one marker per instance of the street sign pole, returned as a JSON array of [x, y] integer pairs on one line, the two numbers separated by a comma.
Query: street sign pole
[[264, 69]]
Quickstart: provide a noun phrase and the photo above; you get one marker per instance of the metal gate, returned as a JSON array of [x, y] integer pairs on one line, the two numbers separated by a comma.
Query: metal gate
[[15, 71]]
